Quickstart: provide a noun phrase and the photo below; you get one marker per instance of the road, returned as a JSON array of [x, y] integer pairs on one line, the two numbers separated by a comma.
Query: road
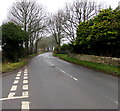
[[50, 83]]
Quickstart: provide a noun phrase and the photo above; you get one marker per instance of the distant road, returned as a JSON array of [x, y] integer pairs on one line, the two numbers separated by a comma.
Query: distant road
[[51, 83]]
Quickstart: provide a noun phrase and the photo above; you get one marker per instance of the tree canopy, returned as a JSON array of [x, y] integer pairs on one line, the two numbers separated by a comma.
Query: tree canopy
[[100, 35], [13, 38]]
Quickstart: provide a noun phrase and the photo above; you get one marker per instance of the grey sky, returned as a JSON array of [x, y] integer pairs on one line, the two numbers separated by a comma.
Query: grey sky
[[50, 5]]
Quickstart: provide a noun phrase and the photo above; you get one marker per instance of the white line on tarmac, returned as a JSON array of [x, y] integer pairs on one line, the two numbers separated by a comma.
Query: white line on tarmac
[[25, 71], [25, 81], [25, 105], [25, 77], [67, 74], [50, 63], [116, 102], [19, 72], [112, 100], [13, 88], [25, 87], [75, 79], [25, 94], [18, 75], [16, 82], [11, 94], [19, 97], [25, 74], [17, 78]]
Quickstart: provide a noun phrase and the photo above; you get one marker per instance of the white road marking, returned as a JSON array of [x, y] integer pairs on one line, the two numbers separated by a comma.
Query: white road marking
[[17, 78], [25, 77], [50, 63], [25, 87], [19, 97], [16, 82], [67, 74], [25, 94], [13, 88], [75, 79], [11, 94], [25, 71], [112, 100], [25, 74], [18, 75], [116, 102], [19, 72], [25, 105], [25, 81]]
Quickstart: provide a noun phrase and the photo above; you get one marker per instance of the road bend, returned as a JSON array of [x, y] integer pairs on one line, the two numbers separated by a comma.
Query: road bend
[[50, 83]]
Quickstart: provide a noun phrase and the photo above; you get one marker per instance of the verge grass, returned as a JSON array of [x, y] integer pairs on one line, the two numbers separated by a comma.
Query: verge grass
[[7, 67], [110, 69]]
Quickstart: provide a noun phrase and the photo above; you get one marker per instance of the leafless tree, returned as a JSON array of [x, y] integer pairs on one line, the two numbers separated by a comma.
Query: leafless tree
[[31, 17], [76, 12], [55, 26]]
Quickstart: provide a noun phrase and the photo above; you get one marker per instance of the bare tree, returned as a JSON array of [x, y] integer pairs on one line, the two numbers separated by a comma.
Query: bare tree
[[55, 26], [31, 17], [78, 11]]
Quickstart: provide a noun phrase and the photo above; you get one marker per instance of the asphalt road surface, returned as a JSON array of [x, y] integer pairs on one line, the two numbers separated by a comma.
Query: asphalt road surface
[[50, 83]]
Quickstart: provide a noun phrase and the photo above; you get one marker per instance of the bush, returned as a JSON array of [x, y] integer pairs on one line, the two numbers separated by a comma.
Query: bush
[[13, 38], [100, 36], [64, 49]]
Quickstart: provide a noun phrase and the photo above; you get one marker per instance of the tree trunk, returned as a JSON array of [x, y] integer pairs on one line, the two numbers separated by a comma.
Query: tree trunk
[[26, 48], [36, 46]]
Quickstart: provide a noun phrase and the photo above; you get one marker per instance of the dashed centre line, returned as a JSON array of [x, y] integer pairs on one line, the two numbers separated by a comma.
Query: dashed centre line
[[67, 74], [116, 102], [112, 100], [63, 71], [75, 79]]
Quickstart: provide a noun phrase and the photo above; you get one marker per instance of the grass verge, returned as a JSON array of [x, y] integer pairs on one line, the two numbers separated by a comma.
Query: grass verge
[[8, 67], [110, 69]]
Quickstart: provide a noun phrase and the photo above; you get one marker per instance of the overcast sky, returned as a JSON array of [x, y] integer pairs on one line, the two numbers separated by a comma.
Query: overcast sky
[[51, 5]]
